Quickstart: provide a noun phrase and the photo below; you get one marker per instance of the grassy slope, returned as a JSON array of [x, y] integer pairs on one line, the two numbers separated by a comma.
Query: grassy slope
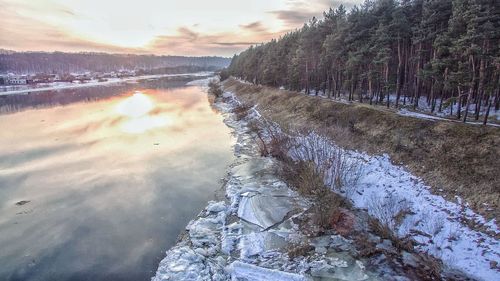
[[453, 158]]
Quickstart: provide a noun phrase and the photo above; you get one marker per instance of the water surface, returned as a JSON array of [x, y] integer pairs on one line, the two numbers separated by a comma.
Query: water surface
[[112, 175]]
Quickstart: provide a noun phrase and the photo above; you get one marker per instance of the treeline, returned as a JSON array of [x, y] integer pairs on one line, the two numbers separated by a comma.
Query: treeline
[[177, 70], [59, 62], [441, 54]]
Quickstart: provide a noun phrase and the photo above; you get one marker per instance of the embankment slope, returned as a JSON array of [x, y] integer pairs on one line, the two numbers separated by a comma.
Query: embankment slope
[[455, 159]]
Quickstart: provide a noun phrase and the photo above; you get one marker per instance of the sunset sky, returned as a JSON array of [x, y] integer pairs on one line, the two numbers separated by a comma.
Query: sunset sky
[[163, 27]]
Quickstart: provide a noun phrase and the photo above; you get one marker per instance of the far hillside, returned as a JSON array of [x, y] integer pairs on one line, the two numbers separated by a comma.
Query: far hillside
[[59, 62]]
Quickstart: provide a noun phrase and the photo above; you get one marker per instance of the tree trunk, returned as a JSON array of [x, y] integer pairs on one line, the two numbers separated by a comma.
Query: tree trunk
[[471, 87], [480, 90], [370, 88], [387, 82], [360, 92], [398, 79], [418, 82], [487, 113]]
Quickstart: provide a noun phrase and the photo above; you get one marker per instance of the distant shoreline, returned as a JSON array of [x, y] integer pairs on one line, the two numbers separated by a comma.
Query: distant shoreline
[[96, 83]]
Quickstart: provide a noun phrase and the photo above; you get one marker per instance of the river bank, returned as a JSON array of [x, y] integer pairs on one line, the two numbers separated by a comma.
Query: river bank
[[257, 231], [434, 220], [26, 89]]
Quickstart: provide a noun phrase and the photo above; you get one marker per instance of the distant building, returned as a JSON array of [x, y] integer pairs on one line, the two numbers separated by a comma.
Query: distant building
[[16, 80]]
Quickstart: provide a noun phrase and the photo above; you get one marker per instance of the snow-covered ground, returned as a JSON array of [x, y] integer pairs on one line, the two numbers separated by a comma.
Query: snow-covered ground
[[13, 90], [433, 221], [385, 189], [420, 115]]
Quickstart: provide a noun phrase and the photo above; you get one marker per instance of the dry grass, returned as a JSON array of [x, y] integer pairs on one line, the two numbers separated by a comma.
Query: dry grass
[[460, 159], [327, 209], [365, 247], [430, 268], [271, 141]]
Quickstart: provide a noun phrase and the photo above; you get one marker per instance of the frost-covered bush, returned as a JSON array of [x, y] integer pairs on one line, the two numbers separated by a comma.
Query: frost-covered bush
[[389, 210], [339, 171]]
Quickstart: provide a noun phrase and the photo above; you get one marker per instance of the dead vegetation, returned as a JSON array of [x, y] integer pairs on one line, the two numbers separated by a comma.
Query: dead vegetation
[[457, 159]]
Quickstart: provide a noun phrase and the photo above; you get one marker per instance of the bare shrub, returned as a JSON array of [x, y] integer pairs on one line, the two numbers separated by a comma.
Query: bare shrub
[[432, 224], [380, 229], [389, 210], [365, 247], [387, 215], [315, 167], [271, 140], [385, 232], [430, 267], [337, 169], [326, 209]]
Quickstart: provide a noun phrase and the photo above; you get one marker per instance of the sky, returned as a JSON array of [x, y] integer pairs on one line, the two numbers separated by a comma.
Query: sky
[[162, 27]]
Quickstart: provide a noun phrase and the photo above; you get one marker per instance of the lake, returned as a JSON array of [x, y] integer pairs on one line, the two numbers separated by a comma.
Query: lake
[[97, 183]]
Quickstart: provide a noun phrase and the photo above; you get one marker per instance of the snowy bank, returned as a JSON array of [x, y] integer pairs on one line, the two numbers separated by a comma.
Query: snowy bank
[[68, 85], [248, 236]]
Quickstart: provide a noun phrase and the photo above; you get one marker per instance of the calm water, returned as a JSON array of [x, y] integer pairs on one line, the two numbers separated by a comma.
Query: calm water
[[112, 175]]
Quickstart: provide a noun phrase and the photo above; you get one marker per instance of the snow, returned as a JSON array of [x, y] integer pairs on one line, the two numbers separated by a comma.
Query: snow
[[67, 85], [197, 258], [406, 112], [182, 263], [419, 115], [203, 83], [456, 244]]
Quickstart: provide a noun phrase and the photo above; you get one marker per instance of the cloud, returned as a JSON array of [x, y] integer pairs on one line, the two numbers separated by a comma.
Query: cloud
[[299, 12], [245, 44], [26, 34], [293, 19], [187, 33], [255, 26], [72, 26], [189, 41]]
